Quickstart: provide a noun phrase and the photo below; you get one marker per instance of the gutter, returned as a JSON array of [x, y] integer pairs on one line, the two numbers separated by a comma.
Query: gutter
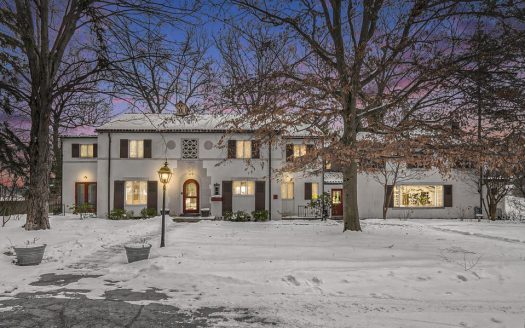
[[270, 180], [109, 173]]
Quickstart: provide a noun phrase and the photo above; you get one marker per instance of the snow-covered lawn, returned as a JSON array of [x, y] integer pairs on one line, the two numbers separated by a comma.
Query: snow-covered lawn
[[305, 274]]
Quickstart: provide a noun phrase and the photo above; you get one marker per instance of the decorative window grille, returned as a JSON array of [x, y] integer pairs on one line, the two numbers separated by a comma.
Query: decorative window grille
[[190, 148]]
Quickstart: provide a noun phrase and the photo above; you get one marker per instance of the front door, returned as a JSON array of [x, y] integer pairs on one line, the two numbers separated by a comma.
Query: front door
[[190, 197], [86, 194], [337, 202]]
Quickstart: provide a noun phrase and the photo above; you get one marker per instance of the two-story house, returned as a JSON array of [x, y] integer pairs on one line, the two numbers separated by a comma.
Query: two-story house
[[117, 168]]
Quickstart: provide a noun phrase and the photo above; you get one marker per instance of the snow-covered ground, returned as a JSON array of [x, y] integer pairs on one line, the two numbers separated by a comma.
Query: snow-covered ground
[[302, 274]]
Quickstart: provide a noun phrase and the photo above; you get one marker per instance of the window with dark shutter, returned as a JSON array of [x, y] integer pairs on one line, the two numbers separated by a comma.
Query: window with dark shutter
[[95, 150], [147, 148], [232, 144], [447, 195], [308, 191], [152, 194], [256, 153], [289, 152], [118, 195], [123, 148], [75, 150]]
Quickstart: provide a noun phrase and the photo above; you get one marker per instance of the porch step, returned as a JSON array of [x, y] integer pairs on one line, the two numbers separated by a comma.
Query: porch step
[[192, 218]]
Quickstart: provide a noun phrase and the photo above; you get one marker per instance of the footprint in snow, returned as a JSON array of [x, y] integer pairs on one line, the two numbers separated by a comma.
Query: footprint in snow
[[291, 280], [462, 278], [317, 281]]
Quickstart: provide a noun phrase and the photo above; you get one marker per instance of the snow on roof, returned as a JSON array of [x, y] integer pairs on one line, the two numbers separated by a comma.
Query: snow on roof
[[333, 177], [170, 122], [163, 122]]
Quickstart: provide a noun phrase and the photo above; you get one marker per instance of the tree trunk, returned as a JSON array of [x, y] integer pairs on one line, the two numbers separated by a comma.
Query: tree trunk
[[350, 207], [38, 197], [386, 201], [493, 210]]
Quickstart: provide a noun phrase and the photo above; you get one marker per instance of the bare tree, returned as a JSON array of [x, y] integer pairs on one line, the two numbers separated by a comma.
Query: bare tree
[[370, 66], [159, 71], [38, 36]]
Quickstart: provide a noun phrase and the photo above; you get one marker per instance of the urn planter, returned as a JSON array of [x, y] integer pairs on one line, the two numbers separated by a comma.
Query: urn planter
[[30, 255], [137, 252]]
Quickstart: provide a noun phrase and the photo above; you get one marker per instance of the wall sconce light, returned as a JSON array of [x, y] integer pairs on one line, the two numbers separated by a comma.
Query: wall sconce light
[[85, 177], [216, 189]]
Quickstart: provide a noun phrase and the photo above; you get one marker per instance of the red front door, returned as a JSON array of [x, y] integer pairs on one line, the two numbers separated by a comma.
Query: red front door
[[190, 197], [337, 202], [86, 194]]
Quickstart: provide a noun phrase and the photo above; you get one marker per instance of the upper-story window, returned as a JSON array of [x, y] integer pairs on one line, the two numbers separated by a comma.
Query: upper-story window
[[84, 150], [190, 148], [294, 151], [136, 149], [243, 149]]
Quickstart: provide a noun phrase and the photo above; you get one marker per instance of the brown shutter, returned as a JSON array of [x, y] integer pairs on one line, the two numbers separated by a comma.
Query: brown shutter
[[260, 195], [289, 153], [256, 153], [118, 195], [147, 148], [390, 191], [123, 148], [308, 190], [226, 196], [231, 148], [75, 150], [95, 150], [309, 149], [448, 195], [152, 194]]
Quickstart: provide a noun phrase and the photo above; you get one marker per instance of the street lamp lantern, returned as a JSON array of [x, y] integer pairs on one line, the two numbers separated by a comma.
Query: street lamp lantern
[[164, 177], [165, 174]]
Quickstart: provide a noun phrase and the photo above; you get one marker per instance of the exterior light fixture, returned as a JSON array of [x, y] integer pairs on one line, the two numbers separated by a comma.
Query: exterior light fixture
[[164, 177]]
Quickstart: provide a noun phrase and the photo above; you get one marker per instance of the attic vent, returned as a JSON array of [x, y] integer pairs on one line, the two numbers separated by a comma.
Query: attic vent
[[182, 109]]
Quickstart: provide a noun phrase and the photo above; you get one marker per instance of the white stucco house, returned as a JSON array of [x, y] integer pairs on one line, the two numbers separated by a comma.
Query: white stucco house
[[117, 168]]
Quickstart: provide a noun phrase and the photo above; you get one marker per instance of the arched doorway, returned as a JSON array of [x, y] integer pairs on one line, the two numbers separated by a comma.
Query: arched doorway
[[190, 197]]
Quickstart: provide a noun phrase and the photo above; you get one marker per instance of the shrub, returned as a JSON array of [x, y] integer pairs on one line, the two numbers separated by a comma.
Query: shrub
[[228, 215], [147, 213], [241, 216], [260, 215], [83, 210], [117, 214]]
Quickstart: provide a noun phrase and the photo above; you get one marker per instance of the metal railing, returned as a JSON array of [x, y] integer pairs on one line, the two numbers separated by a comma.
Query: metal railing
[[308, 212]]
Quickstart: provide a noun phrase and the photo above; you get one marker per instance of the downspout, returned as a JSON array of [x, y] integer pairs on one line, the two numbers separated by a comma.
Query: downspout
[[109, 172], [270, 180]]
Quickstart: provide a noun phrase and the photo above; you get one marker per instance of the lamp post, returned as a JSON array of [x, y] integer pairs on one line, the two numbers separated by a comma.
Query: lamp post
[[164, 177]]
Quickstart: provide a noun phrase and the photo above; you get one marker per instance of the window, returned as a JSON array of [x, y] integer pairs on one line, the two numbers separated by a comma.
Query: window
[[287, 190], [299, 150], [136, 149], [315, 191], [243, 149], [136, 192], [418, 196], [190, 148], [86, 151], [244, 188]]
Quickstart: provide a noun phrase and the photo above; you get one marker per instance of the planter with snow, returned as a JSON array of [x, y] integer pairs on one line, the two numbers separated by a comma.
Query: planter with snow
[[29, 255], [137, 252]]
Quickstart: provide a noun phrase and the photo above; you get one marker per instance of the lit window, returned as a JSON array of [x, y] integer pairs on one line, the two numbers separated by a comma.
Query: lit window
[[190, 148], [418, 196], [86, 151], [243, 188], [299, 150], [243, 149], [287, 190], [136, 192], [136, 149], [315, 190]]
